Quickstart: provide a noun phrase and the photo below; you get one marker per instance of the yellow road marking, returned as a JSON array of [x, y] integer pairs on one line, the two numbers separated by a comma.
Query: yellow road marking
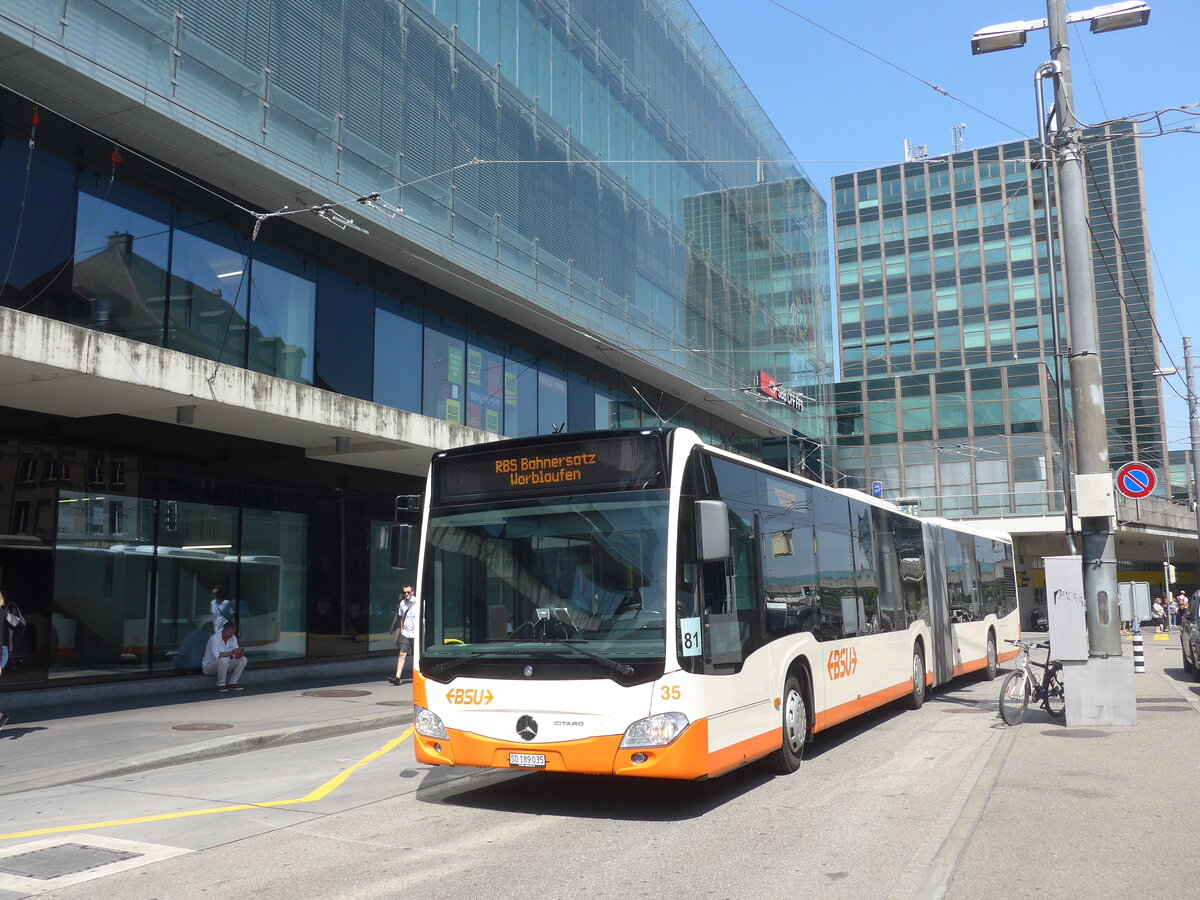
[[312, 797]]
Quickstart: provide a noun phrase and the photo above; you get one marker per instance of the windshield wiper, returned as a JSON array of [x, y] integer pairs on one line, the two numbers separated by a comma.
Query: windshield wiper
[[443, 668], [619, 668]]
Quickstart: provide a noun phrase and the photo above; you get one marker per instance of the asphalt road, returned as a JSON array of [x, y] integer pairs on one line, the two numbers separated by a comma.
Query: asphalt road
[[944, 801]]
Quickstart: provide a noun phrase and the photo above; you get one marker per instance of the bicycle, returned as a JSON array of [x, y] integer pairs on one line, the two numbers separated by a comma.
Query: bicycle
[[1023, 683]]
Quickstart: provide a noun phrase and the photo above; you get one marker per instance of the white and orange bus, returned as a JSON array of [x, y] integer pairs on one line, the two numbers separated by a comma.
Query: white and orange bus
[[638, 603]]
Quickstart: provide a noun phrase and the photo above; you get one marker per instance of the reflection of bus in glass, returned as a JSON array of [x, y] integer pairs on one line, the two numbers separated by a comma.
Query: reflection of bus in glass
[[638, 603], [101, 613]]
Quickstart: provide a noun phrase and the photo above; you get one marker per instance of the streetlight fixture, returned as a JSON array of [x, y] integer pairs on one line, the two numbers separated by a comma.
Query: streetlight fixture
[[1094, 481], [1101, 19]]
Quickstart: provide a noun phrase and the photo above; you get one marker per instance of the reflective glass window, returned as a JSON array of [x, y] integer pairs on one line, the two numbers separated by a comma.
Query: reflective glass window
[[399, 354], [345, 324], [385, 584], [485, 385], [197, 578], [103, 560], [36, 247], [119, 277], [520, 394], [273, 568], [552, 398], [445, 372], [282, 317], [207, 305]]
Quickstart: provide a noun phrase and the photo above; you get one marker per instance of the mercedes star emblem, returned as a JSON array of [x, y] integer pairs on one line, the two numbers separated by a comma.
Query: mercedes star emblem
[[526, 728]]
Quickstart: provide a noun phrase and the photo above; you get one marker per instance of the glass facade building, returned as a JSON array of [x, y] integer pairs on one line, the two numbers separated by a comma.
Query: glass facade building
[[499, 215], [980, 442], [943, 269]]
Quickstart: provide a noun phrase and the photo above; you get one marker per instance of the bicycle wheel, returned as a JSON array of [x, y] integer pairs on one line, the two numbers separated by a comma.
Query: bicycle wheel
[[1014, 698], [1055, 700]]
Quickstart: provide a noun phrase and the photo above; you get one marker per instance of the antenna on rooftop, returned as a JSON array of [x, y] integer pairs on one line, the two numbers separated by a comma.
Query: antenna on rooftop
[[958, 133], [915, 153]]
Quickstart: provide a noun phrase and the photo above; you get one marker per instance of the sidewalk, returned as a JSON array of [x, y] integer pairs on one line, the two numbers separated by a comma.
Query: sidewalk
[[80, 741], [1079, 806]]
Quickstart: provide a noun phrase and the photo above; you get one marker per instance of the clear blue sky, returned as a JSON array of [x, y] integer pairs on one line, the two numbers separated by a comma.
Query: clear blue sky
[[840, 109]]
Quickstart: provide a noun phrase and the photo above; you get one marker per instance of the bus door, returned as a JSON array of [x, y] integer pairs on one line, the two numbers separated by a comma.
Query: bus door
[[939, 605]]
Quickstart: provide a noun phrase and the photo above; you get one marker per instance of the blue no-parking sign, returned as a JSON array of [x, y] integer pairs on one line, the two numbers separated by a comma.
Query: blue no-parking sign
[[1136, 480]]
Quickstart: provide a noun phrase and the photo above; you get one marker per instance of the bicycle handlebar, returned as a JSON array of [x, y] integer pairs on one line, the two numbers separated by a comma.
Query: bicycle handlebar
[[1021, 643]]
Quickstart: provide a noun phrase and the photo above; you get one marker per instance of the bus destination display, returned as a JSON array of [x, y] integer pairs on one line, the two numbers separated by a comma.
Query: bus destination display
[[560, 467]]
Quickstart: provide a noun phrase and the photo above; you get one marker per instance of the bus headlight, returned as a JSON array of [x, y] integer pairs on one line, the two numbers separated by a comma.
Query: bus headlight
[[655, 731], [429, 724]]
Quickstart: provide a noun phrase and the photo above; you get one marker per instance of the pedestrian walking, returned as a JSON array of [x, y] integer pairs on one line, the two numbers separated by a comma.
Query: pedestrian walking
[[1173, 612], [10, 620], [404, 626], [1158, 614]]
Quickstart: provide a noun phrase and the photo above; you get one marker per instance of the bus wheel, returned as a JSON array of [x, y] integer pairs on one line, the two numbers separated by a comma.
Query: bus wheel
[[917, 697], [993, 661], [787, 758]]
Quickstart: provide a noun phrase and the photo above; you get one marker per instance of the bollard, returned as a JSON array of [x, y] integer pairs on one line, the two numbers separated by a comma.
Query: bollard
[[1139, 655]]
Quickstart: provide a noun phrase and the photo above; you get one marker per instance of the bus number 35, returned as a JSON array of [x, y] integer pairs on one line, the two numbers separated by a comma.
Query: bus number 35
[[842, 663]]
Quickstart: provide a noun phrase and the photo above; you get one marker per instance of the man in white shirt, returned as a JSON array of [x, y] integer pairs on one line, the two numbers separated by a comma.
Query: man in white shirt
[[405, 627], [224, 658]]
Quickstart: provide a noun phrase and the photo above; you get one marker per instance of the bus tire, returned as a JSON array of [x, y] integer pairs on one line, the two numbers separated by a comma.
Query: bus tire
[[992, 669], [916, 696], [794, 711]]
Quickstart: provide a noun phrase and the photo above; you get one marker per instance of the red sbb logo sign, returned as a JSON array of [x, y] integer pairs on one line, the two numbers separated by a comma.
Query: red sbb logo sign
[[1136, 480]]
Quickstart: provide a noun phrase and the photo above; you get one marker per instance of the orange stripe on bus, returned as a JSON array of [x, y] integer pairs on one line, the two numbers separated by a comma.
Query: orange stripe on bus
[[688, 757], [845, 711], [975, 665], [418, 686]]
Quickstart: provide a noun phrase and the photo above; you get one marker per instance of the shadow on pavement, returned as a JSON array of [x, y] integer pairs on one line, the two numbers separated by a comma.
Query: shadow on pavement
[[596, 796]]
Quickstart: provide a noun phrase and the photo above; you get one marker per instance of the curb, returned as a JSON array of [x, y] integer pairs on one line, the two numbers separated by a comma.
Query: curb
[[212, 749]]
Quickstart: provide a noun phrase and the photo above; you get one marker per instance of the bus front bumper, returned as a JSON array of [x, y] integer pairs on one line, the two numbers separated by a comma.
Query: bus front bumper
[[687, 757]]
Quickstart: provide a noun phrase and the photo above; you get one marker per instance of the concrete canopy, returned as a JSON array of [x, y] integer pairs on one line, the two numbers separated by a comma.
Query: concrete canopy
[[64, 370]]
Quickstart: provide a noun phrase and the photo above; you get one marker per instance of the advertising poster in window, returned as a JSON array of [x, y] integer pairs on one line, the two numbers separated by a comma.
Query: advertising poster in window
[[484, 384]]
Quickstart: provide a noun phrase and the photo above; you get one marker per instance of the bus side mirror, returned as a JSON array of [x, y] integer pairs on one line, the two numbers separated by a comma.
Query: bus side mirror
[[401, 545], [712, 531]]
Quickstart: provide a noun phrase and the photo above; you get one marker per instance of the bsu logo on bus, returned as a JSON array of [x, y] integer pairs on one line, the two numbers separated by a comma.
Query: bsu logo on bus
[[470, 696], [842, 663]]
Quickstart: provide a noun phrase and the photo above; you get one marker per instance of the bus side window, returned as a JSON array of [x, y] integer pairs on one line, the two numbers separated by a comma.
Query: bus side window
[[733, 589]]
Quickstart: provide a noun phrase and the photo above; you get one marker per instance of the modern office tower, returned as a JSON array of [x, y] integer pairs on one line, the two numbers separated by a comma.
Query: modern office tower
[[261, 260], [942, 270]]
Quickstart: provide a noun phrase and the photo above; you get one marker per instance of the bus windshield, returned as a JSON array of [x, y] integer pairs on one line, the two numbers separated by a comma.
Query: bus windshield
[[523, 578]]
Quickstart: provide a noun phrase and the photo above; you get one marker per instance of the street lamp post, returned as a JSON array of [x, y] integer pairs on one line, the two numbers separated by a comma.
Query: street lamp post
[[1094, 490], [1048, 70], [1094, 482]]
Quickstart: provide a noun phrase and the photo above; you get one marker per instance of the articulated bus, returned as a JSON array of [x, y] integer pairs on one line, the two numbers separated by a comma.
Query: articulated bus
[[638, 603]]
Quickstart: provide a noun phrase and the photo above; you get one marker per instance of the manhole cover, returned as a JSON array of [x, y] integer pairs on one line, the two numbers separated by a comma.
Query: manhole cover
[[65, 859], [394, 703], [1076, 733], [201, 726], [966, 709], [334, 692]]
